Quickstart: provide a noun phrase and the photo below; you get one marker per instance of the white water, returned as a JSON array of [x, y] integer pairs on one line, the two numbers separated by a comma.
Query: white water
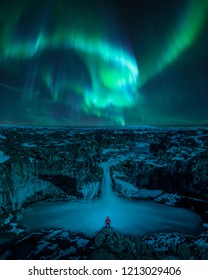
[[127, 216]]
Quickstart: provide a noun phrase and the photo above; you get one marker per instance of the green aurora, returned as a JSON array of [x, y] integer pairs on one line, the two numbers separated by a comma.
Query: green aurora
[[66, 63]]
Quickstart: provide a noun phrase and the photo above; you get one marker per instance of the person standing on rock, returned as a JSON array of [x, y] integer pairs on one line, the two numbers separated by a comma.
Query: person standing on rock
[[107, 222]]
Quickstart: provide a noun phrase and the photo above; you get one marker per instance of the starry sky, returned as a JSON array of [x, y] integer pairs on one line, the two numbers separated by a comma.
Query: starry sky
[[104, 62]]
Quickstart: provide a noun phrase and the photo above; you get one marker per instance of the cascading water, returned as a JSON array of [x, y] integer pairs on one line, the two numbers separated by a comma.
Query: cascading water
[[127, 216], [107, 194]]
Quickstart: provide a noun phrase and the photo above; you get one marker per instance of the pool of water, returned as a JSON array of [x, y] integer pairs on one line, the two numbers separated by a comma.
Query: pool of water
[[127, 216]]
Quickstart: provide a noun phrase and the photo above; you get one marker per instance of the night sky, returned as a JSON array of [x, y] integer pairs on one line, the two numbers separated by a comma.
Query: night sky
[[101, 63]]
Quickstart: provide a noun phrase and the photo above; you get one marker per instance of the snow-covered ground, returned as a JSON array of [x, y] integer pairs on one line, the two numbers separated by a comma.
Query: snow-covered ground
[[90, 190], [3, 137], [148, 194], [28, 145], [127, 189], [3, 157], [169, 199]]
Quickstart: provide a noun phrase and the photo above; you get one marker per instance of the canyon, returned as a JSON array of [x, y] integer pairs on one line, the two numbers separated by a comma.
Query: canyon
[[146, 167]]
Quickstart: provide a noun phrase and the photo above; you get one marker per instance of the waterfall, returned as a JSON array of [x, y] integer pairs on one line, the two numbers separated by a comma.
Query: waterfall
[[106, 185]]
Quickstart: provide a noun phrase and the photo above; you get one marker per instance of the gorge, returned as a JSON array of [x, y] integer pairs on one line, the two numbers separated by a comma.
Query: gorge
[[149, 180]]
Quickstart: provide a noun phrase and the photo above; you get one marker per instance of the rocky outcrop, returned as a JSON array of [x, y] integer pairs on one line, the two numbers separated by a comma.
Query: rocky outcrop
[[49, 244], [55, 244], [179, 246], [119, 246]]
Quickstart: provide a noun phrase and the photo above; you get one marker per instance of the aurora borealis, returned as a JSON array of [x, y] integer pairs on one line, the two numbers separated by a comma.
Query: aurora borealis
[[103, 62]]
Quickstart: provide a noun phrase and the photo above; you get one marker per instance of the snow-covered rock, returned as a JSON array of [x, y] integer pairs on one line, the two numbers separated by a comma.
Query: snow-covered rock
[[8, 219], [148, 194], [108, 243], [3, 137], [3, 157], [82, 242], [28, 145], [125, 188], [168, 199], [89, 190]]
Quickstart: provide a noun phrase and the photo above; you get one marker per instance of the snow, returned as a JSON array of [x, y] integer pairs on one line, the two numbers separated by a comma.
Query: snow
[[152, 162], [105, 151], [170, 199], [41, 246], [13, 224], [68, 251], [126, 188], [178, 158], [16, 230], [27, 145], [165, 239], [31, 159], [3, 157], [143, 146], [64, 234], [82, 242], [172, 150], [60, 144], [52, 247], [8, 220], [201, 243], [145, 193], [54, 233], [90, 190], [2, 137], [162, 249]]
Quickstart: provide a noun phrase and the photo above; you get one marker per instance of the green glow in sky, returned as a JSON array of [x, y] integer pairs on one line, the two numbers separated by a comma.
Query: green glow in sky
[[185, 33], [113, 70], [77, 66]]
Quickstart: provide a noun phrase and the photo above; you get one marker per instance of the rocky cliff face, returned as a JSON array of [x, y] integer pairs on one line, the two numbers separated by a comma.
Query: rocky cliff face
[[176, 163], [38, 163], [35, 166]]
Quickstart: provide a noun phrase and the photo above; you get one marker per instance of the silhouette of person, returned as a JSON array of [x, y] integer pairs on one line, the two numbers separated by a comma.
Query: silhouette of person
[[107, 222]]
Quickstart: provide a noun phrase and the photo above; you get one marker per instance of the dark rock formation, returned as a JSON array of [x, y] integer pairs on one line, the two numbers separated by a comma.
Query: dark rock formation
[[108, 244], [121, 246], [67, 184]]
